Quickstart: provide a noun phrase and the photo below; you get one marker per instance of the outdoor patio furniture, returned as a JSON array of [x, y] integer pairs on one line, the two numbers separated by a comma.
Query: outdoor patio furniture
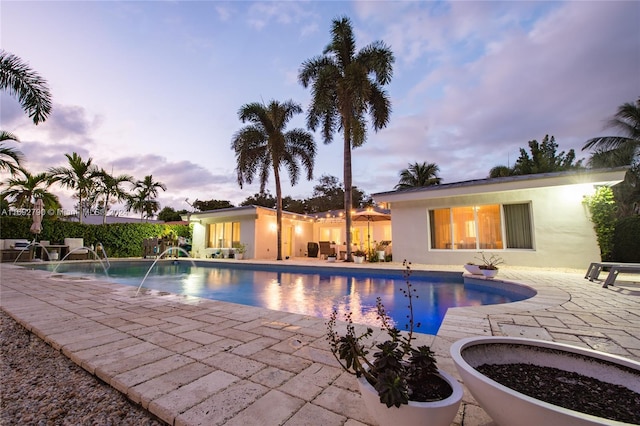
[[76, 244], [312, 249], [630, 268], [326, 249], [12, 250]]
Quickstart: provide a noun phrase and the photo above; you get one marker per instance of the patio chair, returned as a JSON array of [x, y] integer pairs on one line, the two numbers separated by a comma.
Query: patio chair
[[76, 244], [326, 249]]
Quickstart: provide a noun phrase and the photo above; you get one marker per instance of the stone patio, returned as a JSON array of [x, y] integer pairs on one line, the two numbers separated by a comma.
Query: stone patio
[[194, 361]]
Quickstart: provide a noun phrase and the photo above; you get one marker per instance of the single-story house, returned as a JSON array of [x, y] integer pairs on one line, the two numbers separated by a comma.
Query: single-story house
[[218, 231], [533, 220]]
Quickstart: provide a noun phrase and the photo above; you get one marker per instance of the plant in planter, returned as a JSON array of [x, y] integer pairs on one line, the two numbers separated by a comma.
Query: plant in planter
[[527, 382], [490, 264], [472, 268], [359, 256], [400, 379], [239, 250]]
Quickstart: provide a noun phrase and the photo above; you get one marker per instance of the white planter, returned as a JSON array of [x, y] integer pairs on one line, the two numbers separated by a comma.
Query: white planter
[[239, 256], [358, 259], [508, 407], [473, 269], [433, 413], [381, 256], [489, 273], [331, 259]]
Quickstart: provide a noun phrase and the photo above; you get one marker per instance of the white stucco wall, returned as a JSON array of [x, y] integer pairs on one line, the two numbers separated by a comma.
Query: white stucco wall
[[257, 231], [562, 232]]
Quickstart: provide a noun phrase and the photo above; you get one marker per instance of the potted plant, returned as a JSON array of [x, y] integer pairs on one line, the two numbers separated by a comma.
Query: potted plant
[[527, 382], [239, 250], [472, 268], [400, 384], [490, 264], [358, 256]]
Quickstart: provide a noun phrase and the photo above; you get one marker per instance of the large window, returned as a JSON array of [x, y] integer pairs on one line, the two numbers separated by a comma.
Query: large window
[[223, 234], [481, 227]]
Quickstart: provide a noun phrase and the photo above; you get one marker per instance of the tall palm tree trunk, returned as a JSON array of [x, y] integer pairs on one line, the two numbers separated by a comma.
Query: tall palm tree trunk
[[276, 175], [347, 188]]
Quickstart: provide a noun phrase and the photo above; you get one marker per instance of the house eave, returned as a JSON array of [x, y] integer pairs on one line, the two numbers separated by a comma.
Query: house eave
[[609, 176]]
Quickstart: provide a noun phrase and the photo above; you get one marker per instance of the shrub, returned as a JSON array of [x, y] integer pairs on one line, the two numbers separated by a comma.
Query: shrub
[[626, 246], [602, 207]]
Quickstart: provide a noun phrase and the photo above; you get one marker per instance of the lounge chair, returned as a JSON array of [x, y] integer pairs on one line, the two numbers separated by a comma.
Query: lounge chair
[[631, 268], [76, 244]]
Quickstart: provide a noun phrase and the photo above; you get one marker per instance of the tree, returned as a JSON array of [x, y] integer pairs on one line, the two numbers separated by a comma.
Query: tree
[[627, 121], [204, 206], [544, 159], [264, 145], [345, 87], [329, 195], [79, 176], [168, 214], [263, 199], [23, 187], [500, 171], [21, 81], [143, 200], [10, 158], [110, 187], [419, 175]]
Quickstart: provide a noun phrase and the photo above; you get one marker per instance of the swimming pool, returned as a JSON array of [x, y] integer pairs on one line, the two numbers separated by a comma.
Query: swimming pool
[[314, 291]]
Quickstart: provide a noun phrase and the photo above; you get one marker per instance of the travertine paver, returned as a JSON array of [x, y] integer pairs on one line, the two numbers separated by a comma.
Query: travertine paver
[[200, 362]]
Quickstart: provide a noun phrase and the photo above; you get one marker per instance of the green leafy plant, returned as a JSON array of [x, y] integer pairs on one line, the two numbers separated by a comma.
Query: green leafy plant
[[397, 370], [491, 262], [239, 248], [359, 253], [602, 207]]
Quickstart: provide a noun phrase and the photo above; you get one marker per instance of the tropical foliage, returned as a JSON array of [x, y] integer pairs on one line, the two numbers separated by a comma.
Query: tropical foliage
[[346, 86], [544, 158], [10, 158], [419, 175], [144, 201], [263, 145], [28, 86], [23, 187], [110, 188], [602, 207], [624, 150], [627, 122], [78, 176]]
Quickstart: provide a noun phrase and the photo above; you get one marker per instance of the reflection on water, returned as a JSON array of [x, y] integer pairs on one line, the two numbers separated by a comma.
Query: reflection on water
[[309, 294]]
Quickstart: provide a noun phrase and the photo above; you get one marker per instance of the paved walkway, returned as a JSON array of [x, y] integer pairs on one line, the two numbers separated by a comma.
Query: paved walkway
[[193, 361]]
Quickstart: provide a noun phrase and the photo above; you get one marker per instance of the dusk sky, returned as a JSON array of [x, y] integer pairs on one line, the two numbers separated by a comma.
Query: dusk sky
[[154, 87]]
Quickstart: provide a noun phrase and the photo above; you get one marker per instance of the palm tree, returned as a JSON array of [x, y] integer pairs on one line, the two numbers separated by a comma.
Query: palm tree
[[22, 189], [10, 158], [264, 145], [110, 187], [419, 175], [31, 89], [345, 87], [143, 200], [627, 121], [80, 175]]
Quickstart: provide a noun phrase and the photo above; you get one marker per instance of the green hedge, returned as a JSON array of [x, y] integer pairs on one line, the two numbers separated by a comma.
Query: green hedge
[[627, 240], [118, 239]]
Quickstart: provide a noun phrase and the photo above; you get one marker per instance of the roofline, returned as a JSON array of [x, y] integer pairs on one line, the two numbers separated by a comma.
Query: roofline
[[238, 211], [609, 176]]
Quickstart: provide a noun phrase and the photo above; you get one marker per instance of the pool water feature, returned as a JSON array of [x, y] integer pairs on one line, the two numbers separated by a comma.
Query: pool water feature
[[313, 291]]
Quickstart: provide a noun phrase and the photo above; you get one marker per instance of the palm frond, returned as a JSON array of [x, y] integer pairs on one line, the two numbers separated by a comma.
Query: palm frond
[[27, 85]]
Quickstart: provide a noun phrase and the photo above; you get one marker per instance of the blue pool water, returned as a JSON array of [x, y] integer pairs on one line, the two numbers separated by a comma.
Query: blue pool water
[[309, 291]]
